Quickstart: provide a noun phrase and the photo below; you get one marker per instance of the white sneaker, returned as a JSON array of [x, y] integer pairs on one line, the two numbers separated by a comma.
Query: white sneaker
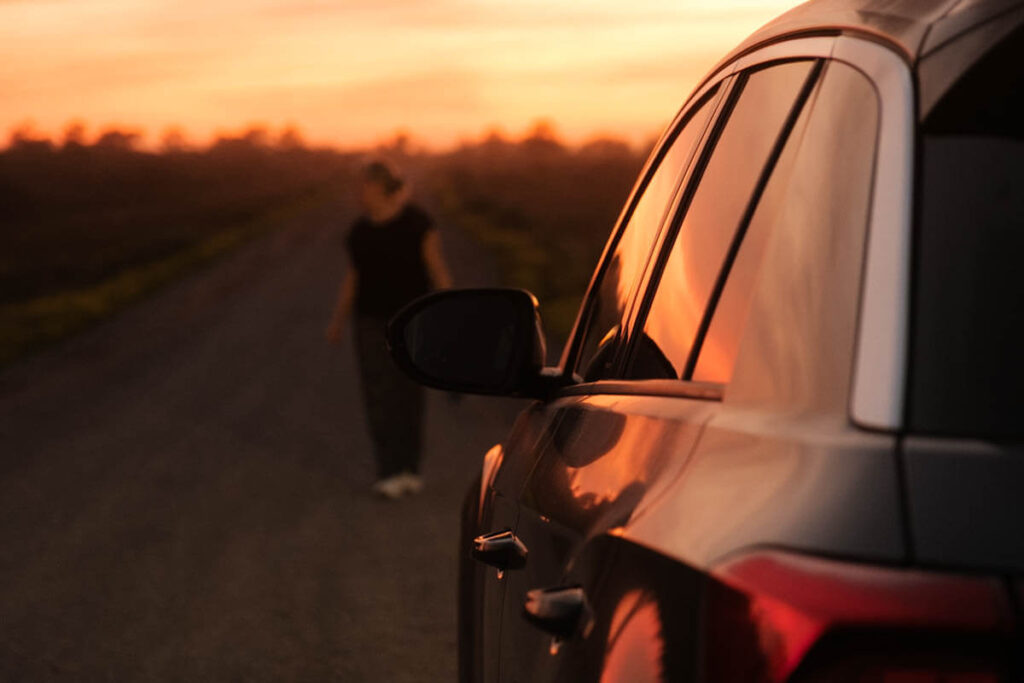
[[411, 483], [393, 487]]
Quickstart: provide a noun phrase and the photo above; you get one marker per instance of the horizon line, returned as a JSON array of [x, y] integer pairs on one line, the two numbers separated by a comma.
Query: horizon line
[[156, 138]]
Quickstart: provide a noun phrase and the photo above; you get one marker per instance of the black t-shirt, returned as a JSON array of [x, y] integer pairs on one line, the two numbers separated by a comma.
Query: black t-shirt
[[389, 258]]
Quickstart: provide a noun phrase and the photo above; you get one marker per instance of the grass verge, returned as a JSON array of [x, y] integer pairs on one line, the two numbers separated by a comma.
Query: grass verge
[[27, 326]]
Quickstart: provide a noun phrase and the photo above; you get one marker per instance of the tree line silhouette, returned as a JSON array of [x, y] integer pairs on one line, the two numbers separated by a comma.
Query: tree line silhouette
[[72, 213]]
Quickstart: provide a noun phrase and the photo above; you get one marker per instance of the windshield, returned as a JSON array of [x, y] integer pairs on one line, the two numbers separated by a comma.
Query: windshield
[[967, 347]]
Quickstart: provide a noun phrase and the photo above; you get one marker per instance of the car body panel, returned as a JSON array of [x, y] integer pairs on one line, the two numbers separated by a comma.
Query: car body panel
[[968, 15], [501, 513], [809, 483], [610, 453], [966, 508], [951, 52], [502, 479], [607, 455], [911, 27], [903, 24], [879, 385], [646, 619]]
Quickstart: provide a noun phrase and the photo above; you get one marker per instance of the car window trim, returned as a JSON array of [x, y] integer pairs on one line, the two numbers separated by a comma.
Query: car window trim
[[720, 109], [789, 125], [694, 104], [878, 385], [706, 391], [680, 207]]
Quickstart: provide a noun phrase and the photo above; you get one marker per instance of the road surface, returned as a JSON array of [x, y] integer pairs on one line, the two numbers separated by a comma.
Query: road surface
[[184, 490]]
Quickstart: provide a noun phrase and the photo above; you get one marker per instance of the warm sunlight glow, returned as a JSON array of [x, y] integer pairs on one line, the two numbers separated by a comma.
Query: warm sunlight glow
[[355, 71], [636, 642]]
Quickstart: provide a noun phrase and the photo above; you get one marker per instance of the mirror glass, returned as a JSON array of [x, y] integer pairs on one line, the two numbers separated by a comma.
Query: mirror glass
[[471, 339]]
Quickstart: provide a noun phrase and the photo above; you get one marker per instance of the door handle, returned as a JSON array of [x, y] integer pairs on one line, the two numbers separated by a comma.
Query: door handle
[[501, 549], [561, 612]]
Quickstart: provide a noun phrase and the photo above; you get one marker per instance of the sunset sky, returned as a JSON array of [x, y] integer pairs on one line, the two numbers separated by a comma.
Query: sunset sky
[[352, 72]]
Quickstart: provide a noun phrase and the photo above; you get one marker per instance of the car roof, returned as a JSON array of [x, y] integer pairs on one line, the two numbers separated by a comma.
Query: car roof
[[912, 27]]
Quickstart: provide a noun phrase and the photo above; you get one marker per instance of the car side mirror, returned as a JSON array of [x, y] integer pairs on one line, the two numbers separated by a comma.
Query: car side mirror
[[479, 341]]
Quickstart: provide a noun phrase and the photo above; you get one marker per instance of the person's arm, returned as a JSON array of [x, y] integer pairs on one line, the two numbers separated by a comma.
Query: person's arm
[[343, 307], [437, 268]]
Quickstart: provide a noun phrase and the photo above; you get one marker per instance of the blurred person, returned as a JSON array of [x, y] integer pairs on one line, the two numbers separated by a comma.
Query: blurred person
[[395, 255]]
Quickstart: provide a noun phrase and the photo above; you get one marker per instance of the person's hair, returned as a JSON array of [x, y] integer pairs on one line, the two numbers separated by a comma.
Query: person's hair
[[381, 173]]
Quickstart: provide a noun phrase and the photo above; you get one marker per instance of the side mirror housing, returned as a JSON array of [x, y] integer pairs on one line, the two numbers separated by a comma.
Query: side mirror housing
[[478, 341]]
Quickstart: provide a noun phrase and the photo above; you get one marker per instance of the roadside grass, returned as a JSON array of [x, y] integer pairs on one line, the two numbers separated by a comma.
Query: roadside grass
[[552, 265], [523, 262], [542, 209], [30, 325]]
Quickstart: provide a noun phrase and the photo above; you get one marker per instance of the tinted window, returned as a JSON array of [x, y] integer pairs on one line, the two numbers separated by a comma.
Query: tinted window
[[631, 253], [737, 162], [795, 351], [967, 355], [718, 350]]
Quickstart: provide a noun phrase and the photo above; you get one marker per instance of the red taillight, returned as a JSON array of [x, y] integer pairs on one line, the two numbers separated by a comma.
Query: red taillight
[[769, 609]]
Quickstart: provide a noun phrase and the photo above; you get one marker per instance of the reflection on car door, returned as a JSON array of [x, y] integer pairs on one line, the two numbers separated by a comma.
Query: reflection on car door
[[606, 456], [518, 456]]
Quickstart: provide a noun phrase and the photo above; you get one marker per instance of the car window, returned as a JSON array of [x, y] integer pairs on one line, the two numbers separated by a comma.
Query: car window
[[623, 268], [966, 361], [796, 345], [728, 312], [766, 101]]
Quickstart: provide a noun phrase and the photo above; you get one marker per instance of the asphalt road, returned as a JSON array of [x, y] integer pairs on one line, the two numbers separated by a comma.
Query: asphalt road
[[184, 490]]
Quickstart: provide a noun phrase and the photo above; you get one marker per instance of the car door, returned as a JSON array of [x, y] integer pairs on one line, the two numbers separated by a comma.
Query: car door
[[621, 436]]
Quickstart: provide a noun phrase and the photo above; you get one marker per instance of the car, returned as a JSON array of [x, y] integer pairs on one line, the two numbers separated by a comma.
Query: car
[[785, 440]]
